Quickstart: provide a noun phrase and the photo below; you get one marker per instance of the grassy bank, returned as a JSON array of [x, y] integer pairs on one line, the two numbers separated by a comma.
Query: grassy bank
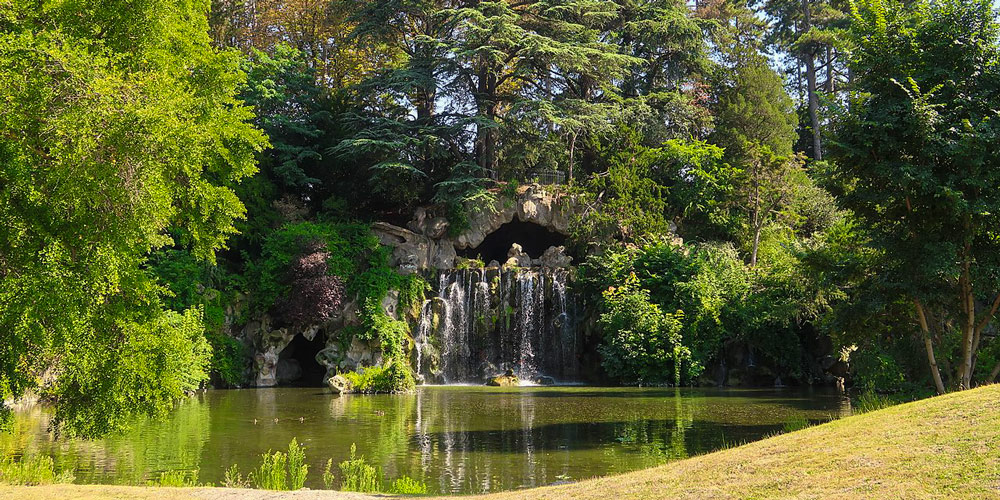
[[943, 447]]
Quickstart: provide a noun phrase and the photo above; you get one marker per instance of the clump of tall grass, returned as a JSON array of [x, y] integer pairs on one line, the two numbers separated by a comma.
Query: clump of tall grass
[[362, 477], [328, 477], [359, 476], [795, 423], [234, 479], [272, 472], [177, 478], [277, 471], [297, 468], [870, 401], [32, 471]]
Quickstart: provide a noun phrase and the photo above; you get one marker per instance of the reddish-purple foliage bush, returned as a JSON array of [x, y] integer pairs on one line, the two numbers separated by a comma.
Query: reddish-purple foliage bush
[[314, 295]]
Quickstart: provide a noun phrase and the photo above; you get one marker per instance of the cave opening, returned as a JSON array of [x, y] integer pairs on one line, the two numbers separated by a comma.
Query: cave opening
[[297, 365], [533, 238]]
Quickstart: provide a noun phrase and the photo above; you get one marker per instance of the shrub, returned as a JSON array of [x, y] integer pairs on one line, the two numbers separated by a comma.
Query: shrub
[[642, 345], [281, 471], [156, 361], [877, 371], [393, 376], [32, 471], [408, 486], [359, 476], [390, 333], [314, 294], [271, 475], [230, 359]]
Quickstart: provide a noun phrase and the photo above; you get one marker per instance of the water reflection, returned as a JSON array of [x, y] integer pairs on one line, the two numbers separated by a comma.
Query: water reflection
[[457, 439]]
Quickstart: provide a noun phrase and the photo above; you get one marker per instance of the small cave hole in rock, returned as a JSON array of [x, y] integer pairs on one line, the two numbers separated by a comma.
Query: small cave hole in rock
[[297, 365], [533, 238]]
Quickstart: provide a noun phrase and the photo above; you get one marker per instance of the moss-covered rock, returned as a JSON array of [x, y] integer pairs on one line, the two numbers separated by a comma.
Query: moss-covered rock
[[508, 379]]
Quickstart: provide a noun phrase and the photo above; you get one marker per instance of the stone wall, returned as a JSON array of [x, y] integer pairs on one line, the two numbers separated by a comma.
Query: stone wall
[[427, 242]]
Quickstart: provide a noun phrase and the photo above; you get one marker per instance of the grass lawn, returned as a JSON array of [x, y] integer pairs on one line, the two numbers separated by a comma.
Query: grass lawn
[[943, 447]]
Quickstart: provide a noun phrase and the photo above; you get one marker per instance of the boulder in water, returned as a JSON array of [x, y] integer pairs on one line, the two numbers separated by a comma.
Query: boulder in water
[[545, 380], [339, 384], [508, 379]]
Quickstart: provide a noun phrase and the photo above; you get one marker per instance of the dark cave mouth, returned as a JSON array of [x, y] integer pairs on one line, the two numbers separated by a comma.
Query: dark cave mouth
[[297, 365], [533, 238]]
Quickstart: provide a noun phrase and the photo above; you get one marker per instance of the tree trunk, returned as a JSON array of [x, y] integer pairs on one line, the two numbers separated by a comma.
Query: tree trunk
[[968, 330], [969, 304], [810, 61], [486, 135], [755, 219], [756, 245], [929, 346], [830, 75], [572, 147]]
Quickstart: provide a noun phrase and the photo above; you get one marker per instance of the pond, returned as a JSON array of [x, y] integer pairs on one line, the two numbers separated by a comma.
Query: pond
[[457, 439]]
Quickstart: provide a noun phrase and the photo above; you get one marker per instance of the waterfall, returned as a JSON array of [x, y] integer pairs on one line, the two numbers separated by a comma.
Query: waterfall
[[423, 337], [486, 321]]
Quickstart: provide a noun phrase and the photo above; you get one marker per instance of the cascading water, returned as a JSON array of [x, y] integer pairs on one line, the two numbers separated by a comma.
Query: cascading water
[[487, 321]]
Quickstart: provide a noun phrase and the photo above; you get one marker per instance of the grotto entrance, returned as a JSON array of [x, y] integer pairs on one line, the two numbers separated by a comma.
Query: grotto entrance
[[297, 365], [533, 238]]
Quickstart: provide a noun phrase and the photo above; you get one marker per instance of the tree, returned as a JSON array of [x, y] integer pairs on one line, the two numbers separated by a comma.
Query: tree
[[755, 124], [810, 32], [406, 127], [916, 148], [121, 133], [318, 29]]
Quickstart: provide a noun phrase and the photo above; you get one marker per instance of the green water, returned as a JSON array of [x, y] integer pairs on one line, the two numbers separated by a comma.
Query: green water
[[456, 439]]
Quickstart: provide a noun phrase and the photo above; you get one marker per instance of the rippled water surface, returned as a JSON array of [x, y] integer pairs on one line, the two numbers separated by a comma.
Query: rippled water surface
[[456, 439]]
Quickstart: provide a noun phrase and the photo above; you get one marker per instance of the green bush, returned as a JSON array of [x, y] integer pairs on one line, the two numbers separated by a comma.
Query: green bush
[[32, 471], [377, 325], [876, 371], [281, 471], [272, 473], [642, 344], [359, 476], [193, 283], [356, 256], [408, 486], [392, 376], [159, 359], [230, 358]]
